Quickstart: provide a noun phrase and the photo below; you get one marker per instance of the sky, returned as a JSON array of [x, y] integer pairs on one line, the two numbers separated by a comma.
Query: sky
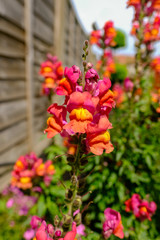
[[100, 11]]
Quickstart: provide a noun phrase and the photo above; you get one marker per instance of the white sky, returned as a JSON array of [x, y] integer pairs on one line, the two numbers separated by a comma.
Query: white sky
[[100, 11]]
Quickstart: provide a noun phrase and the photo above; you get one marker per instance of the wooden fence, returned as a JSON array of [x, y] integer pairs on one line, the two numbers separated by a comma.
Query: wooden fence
[[29, 29]]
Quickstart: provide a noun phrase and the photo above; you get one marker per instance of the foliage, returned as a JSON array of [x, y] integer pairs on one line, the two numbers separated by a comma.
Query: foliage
[[120, 73], [120, 39]]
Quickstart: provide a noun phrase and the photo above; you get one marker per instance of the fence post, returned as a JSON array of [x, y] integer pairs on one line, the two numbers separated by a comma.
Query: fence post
[[28, 11]]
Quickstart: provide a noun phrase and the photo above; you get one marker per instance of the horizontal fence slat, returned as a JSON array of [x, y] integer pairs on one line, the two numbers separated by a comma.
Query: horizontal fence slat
[[13, 135], [13, 11], [11, 47], [11, 68], [12, 112]]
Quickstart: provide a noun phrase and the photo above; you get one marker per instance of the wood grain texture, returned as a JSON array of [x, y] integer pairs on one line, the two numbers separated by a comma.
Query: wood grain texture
[[12, 112]]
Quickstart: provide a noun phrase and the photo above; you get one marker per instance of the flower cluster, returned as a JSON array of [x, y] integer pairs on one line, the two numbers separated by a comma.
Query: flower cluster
[[149, 25], [40, 230], [113, 224], [28, 169], [142, 209], [52, 71], [88, 107], [18, 200], [108, 64], [105, 37]]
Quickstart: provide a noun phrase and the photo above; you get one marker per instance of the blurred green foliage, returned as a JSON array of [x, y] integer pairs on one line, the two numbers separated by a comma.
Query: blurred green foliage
[[120, 73], [120, 39]]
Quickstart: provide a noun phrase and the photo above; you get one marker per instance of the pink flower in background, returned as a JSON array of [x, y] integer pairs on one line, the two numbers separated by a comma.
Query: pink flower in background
[[29, 234], [128, 85], [113, 224], [142, 209]]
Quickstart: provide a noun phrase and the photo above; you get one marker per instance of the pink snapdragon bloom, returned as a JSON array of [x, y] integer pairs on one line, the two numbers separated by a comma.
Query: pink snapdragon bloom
[[45, 232], [113, 224], [142, 209], [91, 84], [69, 84], [35, 222], [128, 85]]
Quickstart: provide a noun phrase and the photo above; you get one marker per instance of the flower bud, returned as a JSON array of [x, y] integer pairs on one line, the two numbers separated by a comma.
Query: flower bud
[[77, 203], [71, 159], [69, 194], [58, 233], [67, 220], [86, 43], [78, 219], [56, 220], [89, 65], [74, 180], [84, 63], [87, 53]]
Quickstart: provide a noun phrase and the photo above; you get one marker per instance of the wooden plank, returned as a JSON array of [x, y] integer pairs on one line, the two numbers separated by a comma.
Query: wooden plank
[[29, 70], [50, 3], [12, 112], [13, 11], [44, 12], [12, 154], [10, 47], [39, 57], [11, 69], [41, 46], [40, 105], [13, 135], [11, 90], [5, 170], [42, 31], [11, 29]]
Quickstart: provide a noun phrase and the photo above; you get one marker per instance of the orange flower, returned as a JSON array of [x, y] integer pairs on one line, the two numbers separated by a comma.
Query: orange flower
[[98, 138], [81, 107], [56, 122]]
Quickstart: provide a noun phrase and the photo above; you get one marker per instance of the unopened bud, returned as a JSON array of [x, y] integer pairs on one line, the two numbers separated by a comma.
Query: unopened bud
[[74, 180], [69, 194], [77, 203], [70, 159], [56, 220], [67, 220], [58, 233], [87, 53], [78, 219], [84, 63], [89, 65], [86, 43]]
